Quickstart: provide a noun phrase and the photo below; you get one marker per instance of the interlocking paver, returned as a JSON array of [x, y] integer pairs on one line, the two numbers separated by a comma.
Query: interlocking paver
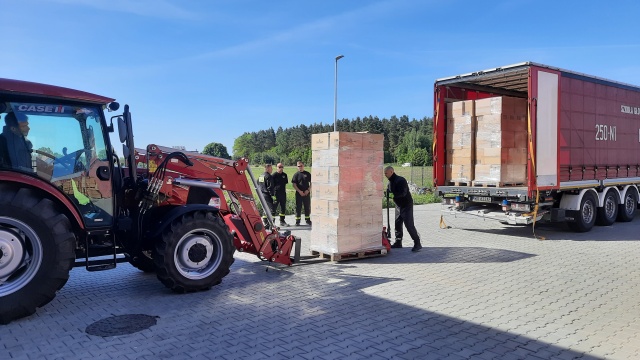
[[479, 290]]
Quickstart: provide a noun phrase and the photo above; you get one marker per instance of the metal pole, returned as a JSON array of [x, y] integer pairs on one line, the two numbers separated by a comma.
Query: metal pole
[[335, 97]]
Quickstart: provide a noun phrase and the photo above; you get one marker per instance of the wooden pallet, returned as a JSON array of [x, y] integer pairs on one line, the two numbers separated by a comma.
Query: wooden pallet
[[350, 255], [458, 183]]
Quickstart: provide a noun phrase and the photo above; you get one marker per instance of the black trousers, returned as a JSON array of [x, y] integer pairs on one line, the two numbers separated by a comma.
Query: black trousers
[[281, 202], [269, 202], [405, 215], [300, 201]]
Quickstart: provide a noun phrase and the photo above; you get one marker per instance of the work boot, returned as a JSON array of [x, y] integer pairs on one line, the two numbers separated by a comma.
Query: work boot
[[297, 222], [397, 244], [416, 247], [308, 222], [283, 223]]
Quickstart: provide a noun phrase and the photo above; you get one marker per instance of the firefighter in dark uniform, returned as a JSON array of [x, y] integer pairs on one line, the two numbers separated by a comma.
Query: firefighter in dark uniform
[[302, 183], [280, 181], [404, 209], [265, 185]]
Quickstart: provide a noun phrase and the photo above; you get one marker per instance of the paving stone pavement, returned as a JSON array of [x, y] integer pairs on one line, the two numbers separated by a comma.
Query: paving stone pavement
[[478, 290]]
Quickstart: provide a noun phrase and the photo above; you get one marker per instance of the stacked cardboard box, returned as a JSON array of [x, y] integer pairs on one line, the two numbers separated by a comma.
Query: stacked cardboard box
[[501, 141], [346, 192], [460, 141]]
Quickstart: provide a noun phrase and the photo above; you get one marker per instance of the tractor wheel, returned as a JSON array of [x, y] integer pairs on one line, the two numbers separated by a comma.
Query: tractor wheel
[[194, 253], [143, 260], [586, 215], [627, 210], [36, 251], [608, 213]]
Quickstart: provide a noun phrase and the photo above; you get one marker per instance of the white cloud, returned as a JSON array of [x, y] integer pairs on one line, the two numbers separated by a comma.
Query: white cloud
[[308, 30]]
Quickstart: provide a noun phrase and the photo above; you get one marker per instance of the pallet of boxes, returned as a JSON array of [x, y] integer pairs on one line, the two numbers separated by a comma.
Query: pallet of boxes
[[460, 142], [346, 197], [495, 152]]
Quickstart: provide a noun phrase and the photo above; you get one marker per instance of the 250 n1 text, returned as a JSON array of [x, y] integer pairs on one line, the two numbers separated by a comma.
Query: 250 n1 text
[[605, 133]]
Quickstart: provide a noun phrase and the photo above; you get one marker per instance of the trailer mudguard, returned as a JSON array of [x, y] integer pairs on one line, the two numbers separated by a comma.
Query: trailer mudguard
[[602, 194], [626, 190], [572, 202]]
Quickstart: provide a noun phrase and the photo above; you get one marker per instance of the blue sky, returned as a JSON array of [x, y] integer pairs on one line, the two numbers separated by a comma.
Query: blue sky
[[201, 71]]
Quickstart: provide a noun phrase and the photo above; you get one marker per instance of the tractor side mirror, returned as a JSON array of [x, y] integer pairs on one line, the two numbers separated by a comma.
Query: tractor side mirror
[[122, 130]]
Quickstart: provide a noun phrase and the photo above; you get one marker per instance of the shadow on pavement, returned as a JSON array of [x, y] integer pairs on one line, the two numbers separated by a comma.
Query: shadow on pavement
[[553, 231], [464, 254], [303, 312], [562, 232]]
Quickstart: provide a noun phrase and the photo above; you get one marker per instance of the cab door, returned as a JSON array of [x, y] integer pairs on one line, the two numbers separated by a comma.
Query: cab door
[[69, 150]]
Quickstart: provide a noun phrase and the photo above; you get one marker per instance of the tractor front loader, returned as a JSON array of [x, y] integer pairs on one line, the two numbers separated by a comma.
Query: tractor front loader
[[67, 199]]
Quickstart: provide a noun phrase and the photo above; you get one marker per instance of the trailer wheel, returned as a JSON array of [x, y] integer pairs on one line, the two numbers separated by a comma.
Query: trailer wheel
[[36, 252], [627, 210], [586, 215], [194, 253], [608, 213]]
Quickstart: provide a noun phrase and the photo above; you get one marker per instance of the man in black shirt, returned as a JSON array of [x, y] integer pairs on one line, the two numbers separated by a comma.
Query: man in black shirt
[[280, 181], [265, 185], [404, 208], [16, 147], [302, 183]]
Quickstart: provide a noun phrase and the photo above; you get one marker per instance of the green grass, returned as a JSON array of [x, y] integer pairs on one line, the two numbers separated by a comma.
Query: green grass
[[421, 176]]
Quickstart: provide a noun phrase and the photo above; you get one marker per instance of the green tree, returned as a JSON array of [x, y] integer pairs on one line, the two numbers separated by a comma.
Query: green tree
[[217, 150], [244, 145], [420, 157]]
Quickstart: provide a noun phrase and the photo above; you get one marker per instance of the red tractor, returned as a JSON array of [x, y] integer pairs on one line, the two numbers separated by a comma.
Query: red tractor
[[67, 200]]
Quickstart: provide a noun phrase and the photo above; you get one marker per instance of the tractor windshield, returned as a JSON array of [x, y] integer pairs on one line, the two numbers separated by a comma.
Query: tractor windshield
[[63, 144]]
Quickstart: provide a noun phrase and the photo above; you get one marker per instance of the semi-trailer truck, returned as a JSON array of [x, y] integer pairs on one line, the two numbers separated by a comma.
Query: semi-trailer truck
[[530, 142]]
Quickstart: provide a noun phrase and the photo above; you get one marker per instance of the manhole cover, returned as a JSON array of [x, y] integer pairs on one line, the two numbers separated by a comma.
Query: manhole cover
[[121, 325]]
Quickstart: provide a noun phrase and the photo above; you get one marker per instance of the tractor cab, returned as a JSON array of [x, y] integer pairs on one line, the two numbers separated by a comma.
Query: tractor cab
[[64, 145]]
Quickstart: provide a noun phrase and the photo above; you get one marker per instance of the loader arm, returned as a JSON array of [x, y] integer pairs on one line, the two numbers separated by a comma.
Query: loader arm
[[237, 206]]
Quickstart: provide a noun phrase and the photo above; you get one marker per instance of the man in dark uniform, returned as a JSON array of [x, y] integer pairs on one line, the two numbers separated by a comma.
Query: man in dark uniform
[[265, 185], [18, 148], [280, 181], [404, 208], [302, 183]]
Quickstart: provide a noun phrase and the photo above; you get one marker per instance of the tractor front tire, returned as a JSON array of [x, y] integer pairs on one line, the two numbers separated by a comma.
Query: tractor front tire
[[36, 251], [194, 252]]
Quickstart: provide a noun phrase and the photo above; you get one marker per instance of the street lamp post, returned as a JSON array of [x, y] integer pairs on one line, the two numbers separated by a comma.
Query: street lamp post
[[335, 99]]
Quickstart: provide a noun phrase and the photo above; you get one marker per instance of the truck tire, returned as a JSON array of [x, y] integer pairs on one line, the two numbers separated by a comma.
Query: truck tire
[[194, 253], [586, 215], [143, 260], [36, 251], [627, 210], [608, 213]]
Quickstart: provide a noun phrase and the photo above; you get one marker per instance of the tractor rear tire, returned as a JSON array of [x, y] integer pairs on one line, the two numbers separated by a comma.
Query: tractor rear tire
[[36, 251], [194, 252]]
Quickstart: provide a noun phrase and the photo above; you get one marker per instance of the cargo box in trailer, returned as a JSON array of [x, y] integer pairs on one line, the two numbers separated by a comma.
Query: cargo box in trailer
[[530, 142]]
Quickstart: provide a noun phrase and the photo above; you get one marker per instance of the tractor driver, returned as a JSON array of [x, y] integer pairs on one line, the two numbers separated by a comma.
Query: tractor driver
[[18, 147]]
